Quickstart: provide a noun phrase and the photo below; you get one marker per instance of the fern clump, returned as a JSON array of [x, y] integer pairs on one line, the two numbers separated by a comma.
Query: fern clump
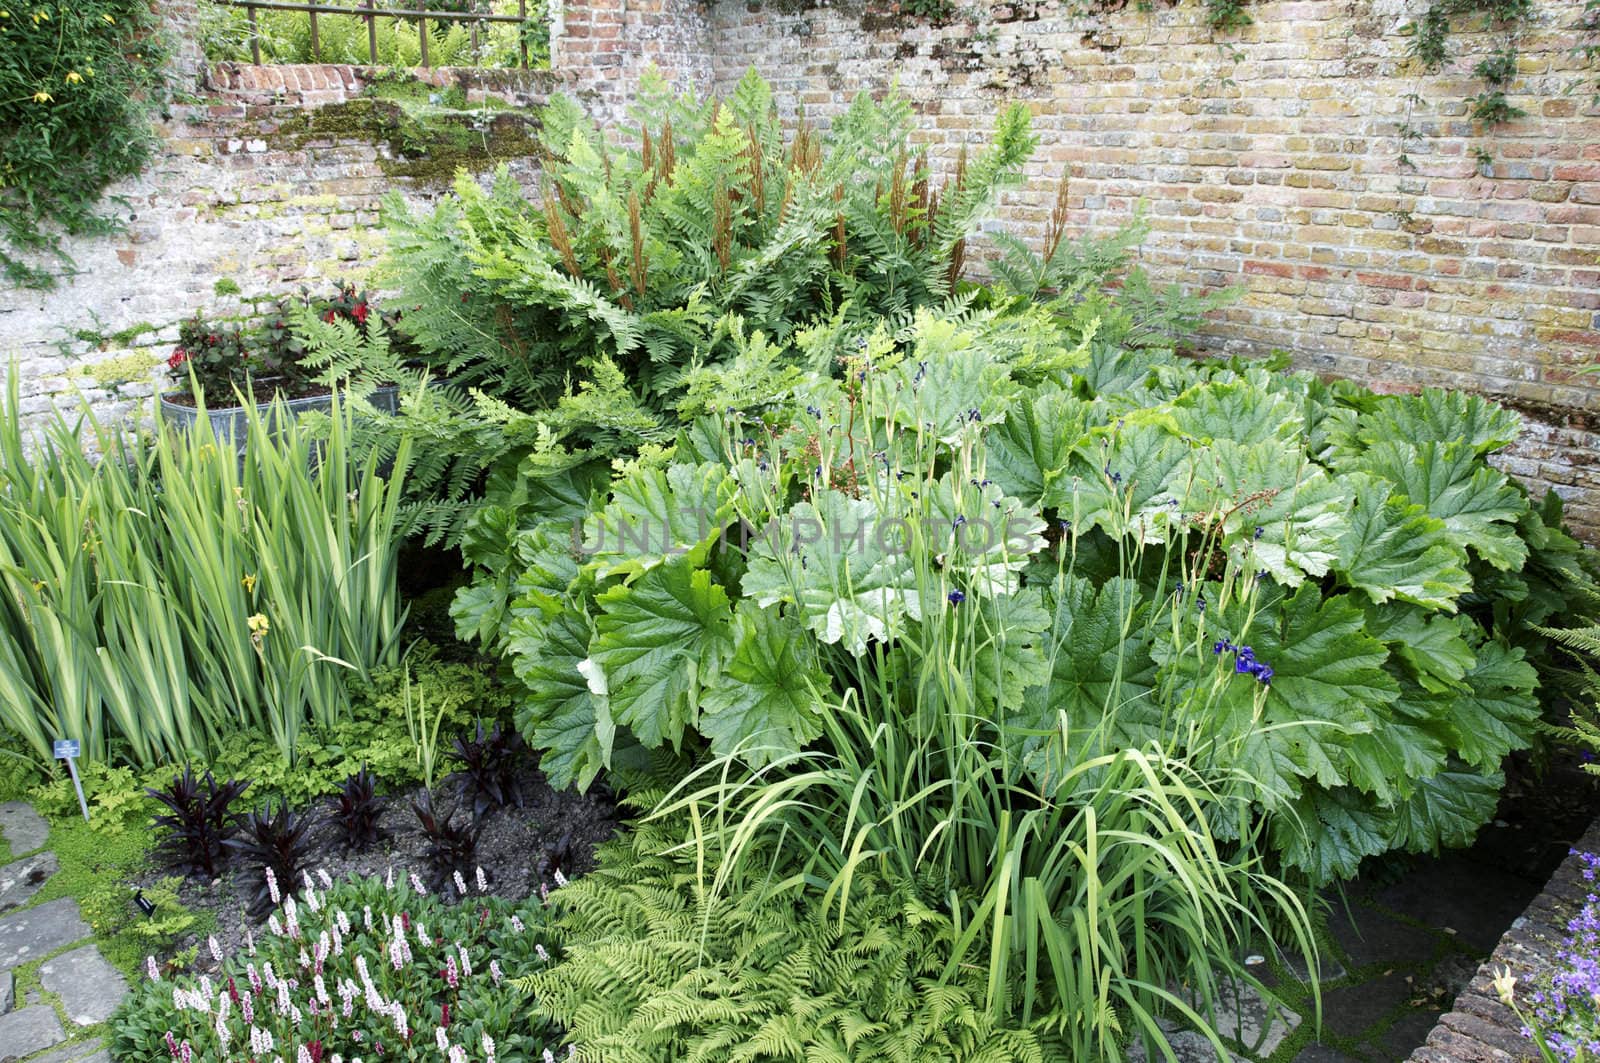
[[567, 326], [663, 963]]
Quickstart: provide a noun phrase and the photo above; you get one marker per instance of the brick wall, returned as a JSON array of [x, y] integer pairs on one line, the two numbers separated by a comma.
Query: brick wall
[[1272, 163], [271, 181], [605, 45]]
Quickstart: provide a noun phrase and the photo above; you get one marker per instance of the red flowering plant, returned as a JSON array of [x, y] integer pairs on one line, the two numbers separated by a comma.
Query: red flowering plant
[[357, 307], [215, 357], [223, 358], [279, 348]]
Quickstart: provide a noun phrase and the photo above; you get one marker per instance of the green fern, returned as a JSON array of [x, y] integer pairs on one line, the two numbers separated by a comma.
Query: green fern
[[659, 965], [1582, 728], [634, 286]]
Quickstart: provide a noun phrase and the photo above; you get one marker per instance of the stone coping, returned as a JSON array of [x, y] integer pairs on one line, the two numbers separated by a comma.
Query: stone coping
[[1480, 1029], [316, 84]]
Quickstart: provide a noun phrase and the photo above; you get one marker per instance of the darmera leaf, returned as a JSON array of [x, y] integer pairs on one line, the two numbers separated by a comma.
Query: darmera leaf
[[661, 640], [765, 703], [1392, 548]]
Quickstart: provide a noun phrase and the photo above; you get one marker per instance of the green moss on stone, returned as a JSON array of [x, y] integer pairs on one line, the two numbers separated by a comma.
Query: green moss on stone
[[124, 337], [425, 143], [135, 365]]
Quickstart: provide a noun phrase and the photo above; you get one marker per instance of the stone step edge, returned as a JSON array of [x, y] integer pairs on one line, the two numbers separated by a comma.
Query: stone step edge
[[1480, 1029]]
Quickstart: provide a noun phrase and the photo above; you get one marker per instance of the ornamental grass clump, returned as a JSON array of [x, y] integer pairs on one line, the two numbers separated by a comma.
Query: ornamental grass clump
[[357, 970]]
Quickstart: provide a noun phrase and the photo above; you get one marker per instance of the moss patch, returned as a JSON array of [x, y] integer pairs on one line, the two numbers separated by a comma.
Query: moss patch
[[97, 868], [425, 142], [133, 366]]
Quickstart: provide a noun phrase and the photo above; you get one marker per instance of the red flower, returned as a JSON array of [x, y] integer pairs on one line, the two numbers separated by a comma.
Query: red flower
[[360, 313], [330, 315], [179, 356], [445, 1021]]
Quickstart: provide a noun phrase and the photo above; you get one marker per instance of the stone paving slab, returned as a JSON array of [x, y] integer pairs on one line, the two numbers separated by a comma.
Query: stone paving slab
[[21, 879], [36, 932], [84, 1052], [8, 991], [25, 830], [33, 1029], [90, 988], [1241, 1015]]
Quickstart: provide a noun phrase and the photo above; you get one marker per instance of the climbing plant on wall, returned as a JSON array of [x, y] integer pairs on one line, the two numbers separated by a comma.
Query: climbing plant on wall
[[1430, 45], [77, 82], [1430, 34]]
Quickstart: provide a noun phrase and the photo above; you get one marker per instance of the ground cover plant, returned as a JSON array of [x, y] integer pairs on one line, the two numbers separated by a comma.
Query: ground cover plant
[[1561, 1009], [353, 969]]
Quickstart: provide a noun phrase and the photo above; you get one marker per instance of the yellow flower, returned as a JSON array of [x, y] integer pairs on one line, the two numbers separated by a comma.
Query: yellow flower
[[42, 97], [249, 582], [108, 20], [258, 628], [73, 77], [40, 16], [1505, 986]]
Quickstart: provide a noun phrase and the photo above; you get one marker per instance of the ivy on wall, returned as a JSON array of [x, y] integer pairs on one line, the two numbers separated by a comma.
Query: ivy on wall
[[77, 83], [1430, 48]]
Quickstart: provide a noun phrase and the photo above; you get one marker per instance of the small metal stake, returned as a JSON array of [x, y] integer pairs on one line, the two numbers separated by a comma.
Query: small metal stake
[[67, 749]]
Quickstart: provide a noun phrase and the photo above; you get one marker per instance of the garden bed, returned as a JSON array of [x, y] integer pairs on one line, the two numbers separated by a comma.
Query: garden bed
[[520, 850]]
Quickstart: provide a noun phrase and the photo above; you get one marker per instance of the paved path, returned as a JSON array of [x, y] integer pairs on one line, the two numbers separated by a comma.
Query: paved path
[[73, 987]]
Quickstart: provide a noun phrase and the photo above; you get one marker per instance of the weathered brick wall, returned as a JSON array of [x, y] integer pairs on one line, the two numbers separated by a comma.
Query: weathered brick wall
[[605, 45], [271, 181], [1272, 162]]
